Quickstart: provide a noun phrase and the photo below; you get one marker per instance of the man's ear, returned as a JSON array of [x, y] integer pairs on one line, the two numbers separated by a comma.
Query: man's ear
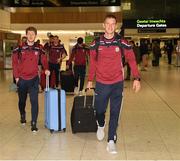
[[103, 25]]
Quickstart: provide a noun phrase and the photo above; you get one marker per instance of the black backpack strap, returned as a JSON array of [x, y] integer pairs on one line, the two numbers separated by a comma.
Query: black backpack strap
[[97, 43], [122, 46], [123, 56], [40, 52], [19, 53]]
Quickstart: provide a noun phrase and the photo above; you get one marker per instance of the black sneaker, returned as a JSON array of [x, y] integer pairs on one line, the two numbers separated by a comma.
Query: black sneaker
[[23, 119], [33, 127]]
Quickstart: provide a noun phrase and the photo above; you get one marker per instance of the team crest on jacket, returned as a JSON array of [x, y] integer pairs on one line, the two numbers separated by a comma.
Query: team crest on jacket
[[117, 49]]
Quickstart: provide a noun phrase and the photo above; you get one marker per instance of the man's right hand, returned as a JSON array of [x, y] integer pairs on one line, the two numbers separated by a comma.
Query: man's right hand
[[17, 80], [89, 84]]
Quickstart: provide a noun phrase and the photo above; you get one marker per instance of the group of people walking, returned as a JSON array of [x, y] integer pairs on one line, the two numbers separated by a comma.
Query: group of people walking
[[106, 72]]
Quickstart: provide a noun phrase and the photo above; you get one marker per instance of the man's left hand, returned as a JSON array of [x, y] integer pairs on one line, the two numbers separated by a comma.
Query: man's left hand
[[47, 72]]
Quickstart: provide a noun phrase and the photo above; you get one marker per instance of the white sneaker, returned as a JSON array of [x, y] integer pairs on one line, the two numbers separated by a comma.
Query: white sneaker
[[76, 90], [100, 133], [111, 147]]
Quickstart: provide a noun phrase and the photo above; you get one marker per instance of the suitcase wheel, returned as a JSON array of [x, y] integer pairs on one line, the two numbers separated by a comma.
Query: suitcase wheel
[[51, 131], [64, 129]]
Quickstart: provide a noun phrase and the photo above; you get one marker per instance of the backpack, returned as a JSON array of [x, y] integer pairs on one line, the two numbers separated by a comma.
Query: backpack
[[119, 44]]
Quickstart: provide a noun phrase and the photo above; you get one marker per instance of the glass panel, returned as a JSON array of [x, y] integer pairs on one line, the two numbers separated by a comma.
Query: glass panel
[[9, 45]]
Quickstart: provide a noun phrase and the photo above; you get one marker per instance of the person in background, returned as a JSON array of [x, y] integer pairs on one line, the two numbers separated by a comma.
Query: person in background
[[178, 53], [137, 56], [106, 67], [57, 53], [25, 70], [23, 40], [156, 52], [169, 49], [79, 56], [144, 54], [48, 44]]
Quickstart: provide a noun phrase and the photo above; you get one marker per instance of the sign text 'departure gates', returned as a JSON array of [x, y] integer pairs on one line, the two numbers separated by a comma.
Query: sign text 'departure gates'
[[161, 23]]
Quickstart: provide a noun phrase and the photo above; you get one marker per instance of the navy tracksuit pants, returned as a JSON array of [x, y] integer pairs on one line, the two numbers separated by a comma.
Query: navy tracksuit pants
[[55, 68], [31, 87], [104, 93], [79, 72]]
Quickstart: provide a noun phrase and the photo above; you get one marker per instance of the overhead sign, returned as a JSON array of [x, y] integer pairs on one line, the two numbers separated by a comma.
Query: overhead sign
[[61, 3], [92, 2], [151, 25]]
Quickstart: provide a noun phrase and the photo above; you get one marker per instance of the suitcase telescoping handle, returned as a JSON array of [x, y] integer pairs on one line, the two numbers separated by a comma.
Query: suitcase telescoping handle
[[86, 95], [47, 83]]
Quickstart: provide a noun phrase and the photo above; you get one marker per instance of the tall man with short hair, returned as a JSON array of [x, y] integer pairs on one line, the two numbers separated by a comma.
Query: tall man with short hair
[[106, 64]]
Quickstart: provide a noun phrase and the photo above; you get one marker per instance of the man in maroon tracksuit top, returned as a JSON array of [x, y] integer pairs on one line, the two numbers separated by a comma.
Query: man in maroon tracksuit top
[[79, 56], [48, 44], [57, 53], [106, 64], [25, 61]]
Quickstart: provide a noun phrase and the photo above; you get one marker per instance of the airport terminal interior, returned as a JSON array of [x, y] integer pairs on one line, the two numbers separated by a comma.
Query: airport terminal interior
[[149, 123]]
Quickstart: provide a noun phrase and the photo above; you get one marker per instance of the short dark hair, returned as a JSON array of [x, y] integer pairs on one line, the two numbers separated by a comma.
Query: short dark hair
[[80, 40], [55, 36], [31, 28], [110, 16], [51, 36]]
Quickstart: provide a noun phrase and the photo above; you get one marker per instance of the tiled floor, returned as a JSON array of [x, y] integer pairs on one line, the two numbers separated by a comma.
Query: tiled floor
[[149, 126]]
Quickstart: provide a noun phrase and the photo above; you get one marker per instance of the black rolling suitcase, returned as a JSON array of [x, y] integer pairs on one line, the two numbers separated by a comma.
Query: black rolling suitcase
[[83, 114], [67, 81]]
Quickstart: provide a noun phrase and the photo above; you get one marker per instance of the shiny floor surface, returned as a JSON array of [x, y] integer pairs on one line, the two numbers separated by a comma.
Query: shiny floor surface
[[149, 126]]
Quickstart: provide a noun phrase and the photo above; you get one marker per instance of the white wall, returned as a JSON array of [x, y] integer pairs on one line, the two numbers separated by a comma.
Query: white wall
[[4, 20]]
